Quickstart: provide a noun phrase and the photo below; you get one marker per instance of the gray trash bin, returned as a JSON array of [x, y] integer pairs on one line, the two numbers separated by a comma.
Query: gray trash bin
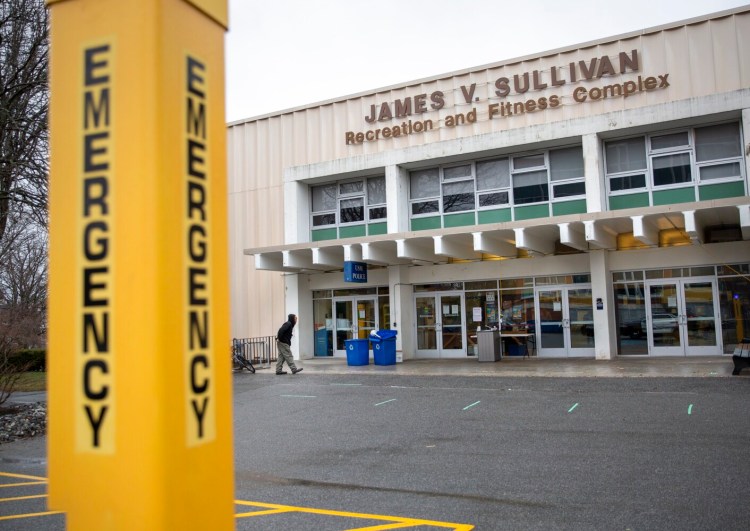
[[489, 345]]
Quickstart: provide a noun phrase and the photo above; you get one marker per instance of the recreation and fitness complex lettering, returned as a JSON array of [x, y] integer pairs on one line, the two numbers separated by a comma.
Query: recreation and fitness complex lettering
[[596, 68]]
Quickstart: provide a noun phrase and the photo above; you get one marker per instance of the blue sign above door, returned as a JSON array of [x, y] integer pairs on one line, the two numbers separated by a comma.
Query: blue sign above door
[[355, 272]]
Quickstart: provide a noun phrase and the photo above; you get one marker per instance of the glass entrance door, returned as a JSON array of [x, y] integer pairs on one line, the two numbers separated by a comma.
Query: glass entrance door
[[355, 318], [440, 325], [681, 317], [566, 322]]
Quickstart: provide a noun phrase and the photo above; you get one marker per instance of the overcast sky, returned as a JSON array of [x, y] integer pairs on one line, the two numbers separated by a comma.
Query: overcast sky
[[286, 53]]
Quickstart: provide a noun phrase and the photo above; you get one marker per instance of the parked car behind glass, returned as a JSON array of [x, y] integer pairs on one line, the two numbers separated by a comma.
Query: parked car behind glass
[[661, 323]]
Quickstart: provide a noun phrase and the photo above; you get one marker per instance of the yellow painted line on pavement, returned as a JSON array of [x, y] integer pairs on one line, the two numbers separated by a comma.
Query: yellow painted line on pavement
[[398, 525], [397, 521], [18, 498], [21, 476], [394, 522], [263, 513], [25, 484], [28, 515]]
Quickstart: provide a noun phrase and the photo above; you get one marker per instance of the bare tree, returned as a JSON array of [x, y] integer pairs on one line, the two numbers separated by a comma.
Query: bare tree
[[24, 100]]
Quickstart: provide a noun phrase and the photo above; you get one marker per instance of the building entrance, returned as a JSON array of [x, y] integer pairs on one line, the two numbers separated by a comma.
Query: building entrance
[[566, 322], [681, 317], [355, 318], [440, 329]]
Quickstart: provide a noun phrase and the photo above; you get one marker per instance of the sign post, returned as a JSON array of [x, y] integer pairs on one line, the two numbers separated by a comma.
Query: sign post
[[140, 433]]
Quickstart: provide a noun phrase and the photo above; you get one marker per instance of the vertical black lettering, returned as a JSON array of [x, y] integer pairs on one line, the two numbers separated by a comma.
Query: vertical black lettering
[[196, 120], [195, 72], [94, 111], [196, 284], [196, 244], [196, 200], [89, 286], [91, 65], [203, 387], [90, 151], [100, 334], [196, 158], [199, 413], [90, 393], [90, 199], [198, 329], [102, 243], [96, 423]]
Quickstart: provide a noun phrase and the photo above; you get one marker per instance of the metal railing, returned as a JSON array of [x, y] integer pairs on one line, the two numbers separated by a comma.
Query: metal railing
[[259, 350]]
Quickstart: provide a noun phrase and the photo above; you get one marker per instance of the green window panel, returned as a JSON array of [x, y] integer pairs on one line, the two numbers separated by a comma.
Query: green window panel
[[323, 234], [459, 220], [425, 223], [531, 212], [495, 216], [569, 207], [675, 195], [720, 191], [352, 232], [619, 202], [374, 229]]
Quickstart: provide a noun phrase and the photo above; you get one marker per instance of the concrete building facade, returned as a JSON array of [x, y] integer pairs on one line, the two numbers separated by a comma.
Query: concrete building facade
[[590, 201]]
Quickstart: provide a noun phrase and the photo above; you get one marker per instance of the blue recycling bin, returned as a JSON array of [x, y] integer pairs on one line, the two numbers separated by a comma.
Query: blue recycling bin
[[357, 351], [384, 347]]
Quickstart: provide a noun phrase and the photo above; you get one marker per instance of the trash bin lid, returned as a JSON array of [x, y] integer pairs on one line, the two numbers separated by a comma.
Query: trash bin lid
[[387, 334]]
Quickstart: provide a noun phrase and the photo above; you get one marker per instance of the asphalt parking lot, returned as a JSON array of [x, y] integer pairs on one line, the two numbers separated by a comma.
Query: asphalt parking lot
[[352, 450]]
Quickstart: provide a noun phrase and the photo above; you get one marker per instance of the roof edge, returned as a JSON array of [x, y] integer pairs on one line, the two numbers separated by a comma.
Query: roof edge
[[505, 62]]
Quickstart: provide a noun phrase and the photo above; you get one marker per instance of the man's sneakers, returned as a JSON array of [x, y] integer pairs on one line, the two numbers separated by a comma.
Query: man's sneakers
[[295, 371], [281, 372]]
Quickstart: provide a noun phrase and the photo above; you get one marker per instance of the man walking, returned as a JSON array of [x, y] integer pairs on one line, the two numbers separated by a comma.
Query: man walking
[[284, 346]]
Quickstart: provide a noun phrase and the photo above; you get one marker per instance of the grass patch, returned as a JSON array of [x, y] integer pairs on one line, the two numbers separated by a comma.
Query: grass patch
[[32, 381]]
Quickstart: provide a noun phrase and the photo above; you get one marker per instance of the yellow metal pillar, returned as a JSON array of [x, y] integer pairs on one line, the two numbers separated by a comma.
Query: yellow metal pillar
[[140, 433]]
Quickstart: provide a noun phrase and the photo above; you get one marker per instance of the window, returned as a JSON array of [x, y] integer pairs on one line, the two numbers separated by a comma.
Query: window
[[425, 191], [352, 210], [661, 160], [530, 183], [492, 183], [626, 164], [323, 205], [348, 202], [674, 140], [458, 189], [671, 169], [376, 199], [530, 187], [718, 151], [566, 172]]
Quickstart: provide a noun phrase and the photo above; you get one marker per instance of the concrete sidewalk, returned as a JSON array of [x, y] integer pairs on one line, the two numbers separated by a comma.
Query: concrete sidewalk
[[622, 367], [515, 366]]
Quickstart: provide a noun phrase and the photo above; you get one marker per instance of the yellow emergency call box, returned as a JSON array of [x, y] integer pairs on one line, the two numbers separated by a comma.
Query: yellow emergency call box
[[140, 433]]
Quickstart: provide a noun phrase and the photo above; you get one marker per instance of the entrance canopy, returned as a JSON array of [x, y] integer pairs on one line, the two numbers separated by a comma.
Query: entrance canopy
[[538, 237]]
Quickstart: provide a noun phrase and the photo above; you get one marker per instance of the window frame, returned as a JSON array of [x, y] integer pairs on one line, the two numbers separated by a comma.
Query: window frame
[[508, 190], [533, 169], [326, 212], [691, 148], [347, 196]]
